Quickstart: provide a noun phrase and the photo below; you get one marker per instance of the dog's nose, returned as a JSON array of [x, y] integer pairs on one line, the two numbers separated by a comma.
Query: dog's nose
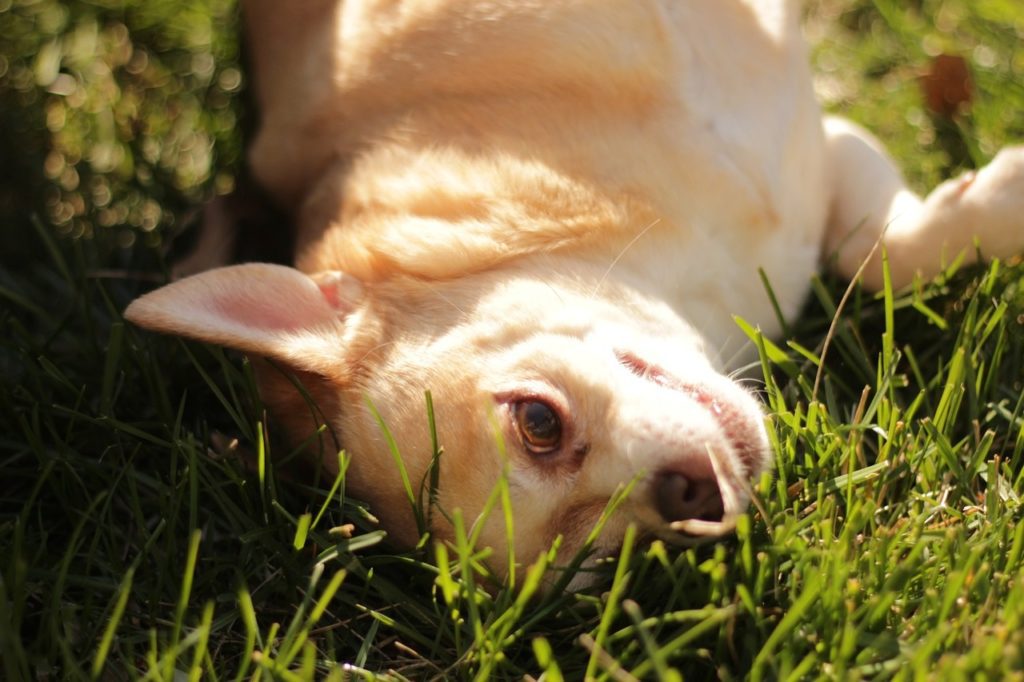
[[679, 497]]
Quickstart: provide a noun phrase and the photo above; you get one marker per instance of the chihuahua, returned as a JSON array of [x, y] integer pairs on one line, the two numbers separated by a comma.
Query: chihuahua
[[547, 213]]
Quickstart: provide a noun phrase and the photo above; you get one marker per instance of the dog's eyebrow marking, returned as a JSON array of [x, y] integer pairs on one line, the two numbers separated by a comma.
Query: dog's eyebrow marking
[[615, 261]]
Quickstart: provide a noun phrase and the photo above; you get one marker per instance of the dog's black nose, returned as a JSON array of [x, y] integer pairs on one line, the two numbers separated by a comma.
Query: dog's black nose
[[679, 497]]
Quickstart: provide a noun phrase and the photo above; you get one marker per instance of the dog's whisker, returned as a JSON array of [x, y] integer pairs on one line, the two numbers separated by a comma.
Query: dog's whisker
[[376, 348], [444, 298], [618, 257], [555, 292], [739, 352], [742, 372]]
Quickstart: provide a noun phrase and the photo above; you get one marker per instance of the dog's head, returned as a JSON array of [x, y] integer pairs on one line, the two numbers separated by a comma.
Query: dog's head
[[572, 391]]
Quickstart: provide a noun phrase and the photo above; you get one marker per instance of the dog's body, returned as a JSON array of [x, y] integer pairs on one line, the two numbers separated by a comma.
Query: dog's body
[[548, 213], [453, 137]]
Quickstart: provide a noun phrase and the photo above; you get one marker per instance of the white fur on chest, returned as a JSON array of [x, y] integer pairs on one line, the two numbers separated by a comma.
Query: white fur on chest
[[737, 167]]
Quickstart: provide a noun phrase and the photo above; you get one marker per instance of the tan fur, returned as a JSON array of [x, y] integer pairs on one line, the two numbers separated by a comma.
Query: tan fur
[[564, 201]]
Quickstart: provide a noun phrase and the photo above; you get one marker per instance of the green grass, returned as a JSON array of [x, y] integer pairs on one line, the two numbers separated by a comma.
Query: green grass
[[886, 544]]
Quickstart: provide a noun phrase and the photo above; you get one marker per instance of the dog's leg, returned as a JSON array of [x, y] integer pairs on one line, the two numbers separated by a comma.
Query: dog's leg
[[870, 199], [241, 227], [218, 231]]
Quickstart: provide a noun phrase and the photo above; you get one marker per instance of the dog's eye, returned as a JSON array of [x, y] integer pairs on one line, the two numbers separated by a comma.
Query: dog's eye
[[539, 425]]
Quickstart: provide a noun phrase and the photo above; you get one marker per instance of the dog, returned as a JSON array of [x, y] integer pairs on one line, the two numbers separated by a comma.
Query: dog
[[547, 213]]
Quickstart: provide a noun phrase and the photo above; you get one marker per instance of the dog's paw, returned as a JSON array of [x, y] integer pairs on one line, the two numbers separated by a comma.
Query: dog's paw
[[996, 197], [997, 190], [989, 203]]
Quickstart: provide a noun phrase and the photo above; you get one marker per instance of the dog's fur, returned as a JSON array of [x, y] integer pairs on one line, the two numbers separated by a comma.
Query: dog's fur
[[557, 201]]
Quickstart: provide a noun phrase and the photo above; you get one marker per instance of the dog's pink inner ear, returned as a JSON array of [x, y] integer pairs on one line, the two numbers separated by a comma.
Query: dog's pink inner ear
[[270, 310], [343, 292], [268, 314]]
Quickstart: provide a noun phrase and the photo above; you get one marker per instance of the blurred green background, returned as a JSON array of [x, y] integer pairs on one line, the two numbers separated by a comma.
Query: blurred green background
[[115, 117]]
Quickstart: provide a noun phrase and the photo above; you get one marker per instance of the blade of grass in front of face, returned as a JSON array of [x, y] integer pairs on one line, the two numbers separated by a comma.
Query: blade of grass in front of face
[[434, 471], [500, 633], [410, 494], [464, 551], [337, 488], [505, 499], [569, 572], [611, 604], [778, 357]]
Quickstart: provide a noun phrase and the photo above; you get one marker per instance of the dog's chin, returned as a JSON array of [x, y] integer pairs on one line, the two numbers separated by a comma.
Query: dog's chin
[[599, 564]]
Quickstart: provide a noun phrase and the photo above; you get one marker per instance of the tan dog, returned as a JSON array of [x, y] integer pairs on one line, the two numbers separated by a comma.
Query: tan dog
[[547, 212]]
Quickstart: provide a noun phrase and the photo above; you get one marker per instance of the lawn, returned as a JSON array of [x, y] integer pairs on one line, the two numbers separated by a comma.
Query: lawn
[[885, 544]]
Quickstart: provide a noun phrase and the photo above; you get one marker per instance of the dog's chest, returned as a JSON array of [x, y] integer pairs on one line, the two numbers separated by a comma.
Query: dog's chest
[[735, 164]]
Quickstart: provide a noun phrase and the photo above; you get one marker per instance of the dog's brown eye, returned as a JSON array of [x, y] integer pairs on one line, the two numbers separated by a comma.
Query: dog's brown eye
[[539, 425]]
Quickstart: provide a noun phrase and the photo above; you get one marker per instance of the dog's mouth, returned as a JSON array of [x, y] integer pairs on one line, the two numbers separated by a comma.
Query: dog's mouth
[[715, 519]]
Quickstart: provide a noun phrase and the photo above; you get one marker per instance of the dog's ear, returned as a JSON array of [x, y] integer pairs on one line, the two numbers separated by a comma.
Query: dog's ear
[[268, 310]]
